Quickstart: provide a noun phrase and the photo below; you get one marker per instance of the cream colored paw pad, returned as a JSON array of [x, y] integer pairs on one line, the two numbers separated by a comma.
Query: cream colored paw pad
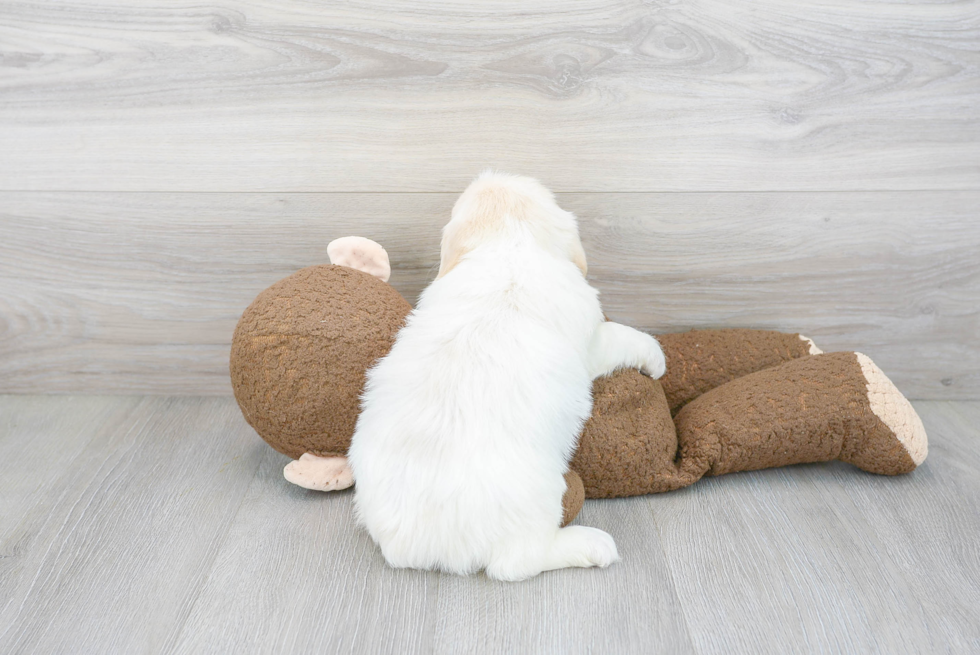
[[894, 410]]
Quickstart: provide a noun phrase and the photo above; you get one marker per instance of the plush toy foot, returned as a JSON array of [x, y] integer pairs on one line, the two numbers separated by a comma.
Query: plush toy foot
[[319, 473], [813, 409], [899, 444]]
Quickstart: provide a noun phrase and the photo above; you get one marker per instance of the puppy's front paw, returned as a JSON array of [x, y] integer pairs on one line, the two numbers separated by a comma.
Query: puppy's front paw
[[654, 363], [319, 473]]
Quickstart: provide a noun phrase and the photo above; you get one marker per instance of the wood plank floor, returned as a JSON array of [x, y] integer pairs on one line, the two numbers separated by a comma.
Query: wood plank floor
[[161, 525]]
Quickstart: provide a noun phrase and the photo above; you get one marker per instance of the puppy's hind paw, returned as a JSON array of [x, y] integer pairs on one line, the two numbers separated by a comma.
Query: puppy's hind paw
[[319, 473], [601, 548], [578, 545]]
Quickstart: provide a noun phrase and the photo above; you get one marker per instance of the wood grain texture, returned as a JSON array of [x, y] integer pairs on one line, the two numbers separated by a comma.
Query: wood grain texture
[[784, 572], [297, 576], [44, 454], [919, 533], [121, 292], [827, 558], [163, 525], [126, 533], [631, 607], [418, 96]]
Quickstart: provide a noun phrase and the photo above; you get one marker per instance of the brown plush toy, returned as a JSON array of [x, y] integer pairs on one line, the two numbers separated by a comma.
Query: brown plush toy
[[731, 400]]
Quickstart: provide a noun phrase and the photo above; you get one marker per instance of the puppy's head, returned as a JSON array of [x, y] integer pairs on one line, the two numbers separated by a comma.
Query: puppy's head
[[498, 206]]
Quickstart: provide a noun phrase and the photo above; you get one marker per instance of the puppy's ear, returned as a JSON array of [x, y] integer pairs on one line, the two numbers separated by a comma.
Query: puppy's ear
[[479, 213], [453, 248], [577, 255]]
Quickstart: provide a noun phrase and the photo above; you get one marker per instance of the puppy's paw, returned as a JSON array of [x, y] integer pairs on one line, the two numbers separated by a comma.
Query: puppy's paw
[[574, 546], [319, 473], [601, 549], [579, 545], [653, 363]]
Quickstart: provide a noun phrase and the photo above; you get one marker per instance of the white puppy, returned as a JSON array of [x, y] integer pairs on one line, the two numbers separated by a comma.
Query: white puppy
[[468, 424]]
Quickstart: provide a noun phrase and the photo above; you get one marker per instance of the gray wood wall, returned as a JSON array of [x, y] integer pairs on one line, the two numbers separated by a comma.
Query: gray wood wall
[[807, 166]]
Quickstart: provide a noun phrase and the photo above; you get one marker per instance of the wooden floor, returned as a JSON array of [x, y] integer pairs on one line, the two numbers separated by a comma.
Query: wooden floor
[[157, 524]]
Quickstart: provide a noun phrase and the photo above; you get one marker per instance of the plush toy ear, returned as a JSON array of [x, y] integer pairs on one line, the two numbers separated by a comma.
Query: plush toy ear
[[360, 253]]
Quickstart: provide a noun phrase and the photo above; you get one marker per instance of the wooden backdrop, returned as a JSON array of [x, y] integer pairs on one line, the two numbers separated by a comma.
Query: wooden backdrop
[[806, 166]]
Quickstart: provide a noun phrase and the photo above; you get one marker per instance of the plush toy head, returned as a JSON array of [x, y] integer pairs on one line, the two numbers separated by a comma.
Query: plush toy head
[[301, 350]]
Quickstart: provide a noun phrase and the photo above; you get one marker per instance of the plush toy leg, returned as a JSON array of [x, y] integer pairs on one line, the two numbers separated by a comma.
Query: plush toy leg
[[628, 445], [900, 419], [813, 409], [700, 360], [573, 498], [319, 473]]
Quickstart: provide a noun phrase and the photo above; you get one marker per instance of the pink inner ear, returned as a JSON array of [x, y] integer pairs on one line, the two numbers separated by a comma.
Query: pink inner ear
[[362, 254]]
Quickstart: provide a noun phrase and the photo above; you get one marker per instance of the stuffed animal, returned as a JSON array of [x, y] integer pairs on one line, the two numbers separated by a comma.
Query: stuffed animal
[[731, 400]]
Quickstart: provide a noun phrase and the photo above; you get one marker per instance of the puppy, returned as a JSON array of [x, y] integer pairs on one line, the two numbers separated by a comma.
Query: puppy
[[468, 424]]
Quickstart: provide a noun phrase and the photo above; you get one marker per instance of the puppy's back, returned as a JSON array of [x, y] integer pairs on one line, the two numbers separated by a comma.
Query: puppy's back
[[468, 423]]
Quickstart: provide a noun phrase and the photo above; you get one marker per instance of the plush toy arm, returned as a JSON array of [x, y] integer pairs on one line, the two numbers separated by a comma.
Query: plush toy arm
[[700, 360], [616, 346]]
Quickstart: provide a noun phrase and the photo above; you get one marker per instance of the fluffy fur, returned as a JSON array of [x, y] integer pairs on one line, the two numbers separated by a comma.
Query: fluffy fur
[[468, 424]]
